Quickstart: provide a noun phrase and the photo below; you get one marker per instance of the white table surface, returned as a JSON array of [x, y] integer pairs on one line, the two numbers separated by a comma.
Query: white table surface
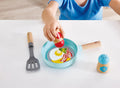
[[14, 54]]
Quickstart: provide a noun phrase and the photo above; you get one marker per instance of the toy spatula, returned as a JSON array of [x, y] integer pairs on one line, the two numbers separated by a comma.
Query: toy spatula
[[32, 63]]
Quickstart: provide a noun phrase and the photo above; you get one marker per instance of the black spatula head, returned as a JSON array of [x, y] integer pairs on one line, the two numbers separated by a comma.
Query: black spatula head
[[32, 64]]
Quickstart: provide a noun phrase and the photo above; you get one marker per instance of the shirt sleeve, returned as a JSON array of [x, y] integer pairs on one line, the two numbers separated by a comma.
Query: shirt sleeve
[[60, 2], [104, 2]]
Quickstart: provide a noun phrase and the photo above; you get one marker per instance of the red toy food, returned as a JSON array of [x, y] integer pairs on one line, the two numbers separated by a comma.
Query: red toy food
[[67, 55], [59, 42]]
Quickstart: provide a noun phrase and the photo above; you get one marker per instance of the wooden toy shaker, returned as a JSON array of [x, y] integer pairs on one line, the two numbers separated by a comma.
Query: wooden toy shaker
[[103, 63], [59, 42]]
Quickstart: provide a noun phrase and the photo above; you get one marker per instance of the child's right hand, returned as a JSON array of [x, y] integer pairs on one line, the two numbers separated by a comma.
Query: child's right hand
[[50, 30]]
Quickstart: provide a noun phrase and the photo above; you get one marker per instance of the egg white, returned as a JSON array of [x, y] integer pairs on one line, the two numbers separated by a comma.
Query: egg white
[[53, 56]]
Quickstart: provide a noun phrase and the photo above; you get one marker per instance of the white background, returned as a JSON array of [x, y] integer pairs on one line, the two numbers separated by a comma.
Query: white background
[[82, 74]]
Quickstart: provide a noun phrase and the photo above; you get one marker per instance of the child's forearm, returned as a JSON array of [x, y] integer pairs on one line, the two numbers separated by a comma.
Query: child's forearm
[[48, 16], [115, 5], [51, 24], [49, 12]]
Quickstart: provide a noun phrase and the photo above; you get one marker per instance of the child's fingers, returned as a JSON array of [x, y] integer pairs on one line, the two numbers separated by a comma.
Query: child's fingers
[[50, 35], [62, 32], [45, 33], [52, 30]]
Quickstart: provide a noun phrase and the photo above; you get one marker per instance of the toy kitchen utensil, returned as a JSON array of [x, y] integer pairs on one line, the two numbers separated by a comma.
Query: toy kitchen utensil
[[32, 63], [73, 51], [59, 42], [103, 63]]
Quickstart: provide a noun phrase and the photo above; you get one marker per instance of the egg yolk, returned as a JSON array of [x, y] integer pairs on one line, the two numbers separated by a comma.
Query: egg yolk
[[58, 53]]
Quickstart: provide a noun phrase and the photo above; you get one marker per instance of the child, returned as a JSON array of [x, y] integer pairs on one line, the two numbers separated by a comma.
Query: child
[[73, 10]]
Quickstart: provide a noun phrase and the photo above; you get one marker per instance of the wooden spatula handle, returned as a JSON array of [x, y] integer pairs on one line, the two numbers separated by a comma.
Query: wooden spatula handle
[[91, 45], [29, 37]]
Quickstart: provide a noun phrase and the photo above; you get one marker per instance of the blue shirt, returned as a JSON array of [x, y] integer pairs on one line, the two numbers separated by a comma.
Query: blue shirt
[[92, 10]]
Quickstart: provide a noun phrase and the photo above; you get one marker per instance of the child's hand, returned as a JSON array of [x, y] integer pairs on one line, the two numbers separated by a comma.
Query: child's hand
[[50, 30], [115, 5]]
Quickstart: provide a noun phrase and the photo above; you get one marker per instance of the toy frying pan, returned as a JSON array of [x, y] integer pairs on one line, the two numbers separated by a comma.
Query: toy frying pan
[[48, 46]]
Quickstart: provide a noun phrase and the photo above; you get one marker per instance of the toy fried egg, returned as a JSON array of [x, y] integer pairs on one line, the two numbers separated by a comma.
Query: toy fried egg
[[59, 55], [55, 54]]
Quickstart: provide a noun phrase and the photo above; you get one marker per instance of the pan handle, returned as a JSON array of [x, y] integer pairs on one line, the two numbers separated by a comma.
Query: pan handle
[[91, 45]]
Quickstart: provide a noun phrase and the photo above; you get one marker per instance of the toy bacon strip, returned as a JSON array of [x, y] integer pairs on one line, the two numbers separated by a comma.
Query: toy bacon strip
[[67, 55], [59, 42]]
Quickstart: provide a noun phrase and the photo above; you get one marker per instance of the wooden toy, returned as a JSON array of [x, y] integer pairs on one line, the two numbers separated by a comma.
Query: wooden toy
[[68, 53], [65, 54], [103, 63], [59, 42], [32, 63]]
